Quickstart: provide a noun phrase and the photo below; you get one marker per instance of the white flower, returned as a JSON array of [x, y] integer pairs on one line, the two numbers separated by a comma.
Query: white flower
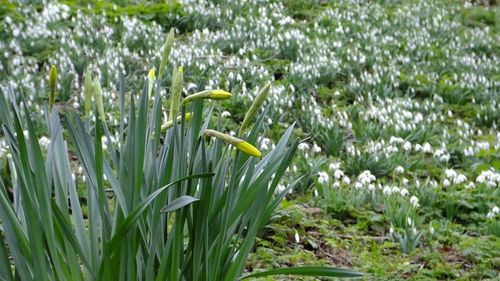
[[338, 174], [460, 179], [334, 166], [414, 201], [297, 237], [323, 177], [387, 190], [407, 146], [409, 221], [303, 146], [399, 170], [358, 185], [346, 180], [404, 192], [446, 182], [226, 114], [316, 149]]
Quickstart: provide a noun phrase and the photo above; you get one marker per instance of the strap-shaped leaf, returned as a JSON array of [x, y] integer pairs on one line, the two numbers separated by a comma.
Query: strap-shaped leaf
[[307, 271], [179, 203]]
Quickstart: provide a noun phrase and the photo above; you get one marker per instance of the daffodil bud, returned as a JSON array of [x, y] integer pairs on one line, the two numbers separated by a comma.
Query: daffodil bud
[[170, 124], [88, 93], [208, 94], [177, 81], [52, 86], [98, 97], [167, 47], [240, 144], [254, 108], [151, 80]]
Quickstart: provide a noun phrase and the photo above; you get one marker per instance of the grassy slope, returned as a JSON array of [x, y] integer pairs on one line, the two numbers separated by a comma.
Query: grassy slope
[[358, 238]]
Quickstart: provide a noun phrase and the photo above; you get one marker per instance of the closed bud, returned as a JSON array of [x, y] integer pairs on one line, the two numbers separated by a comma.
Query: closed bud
[[177, 81], [254, 108], [170, 124], [240, 144], [52, 86], [151, 80], [208, 94], [167, 47], [98, 97], [88, 93]]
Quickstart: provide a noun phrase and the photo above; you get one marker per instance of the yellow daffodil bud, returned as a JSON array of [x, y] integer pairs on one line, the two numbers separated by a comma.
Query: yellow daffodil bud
[[254, 108], [240, 144], [177, 81], [52, 86], [249, 149], [170, 124], [151, 80], [88, 93], [98, 97], [167, 47], [208, 94]]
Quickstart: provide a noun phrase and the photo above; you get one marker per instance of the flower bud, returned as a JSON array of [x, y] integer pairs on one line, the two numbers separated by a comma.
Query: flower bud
[[52, 86], [98, 97], [88, 93], [254, 108], [167, 47], [177, 80], [151, 80], [240, 144], [170, 124], [208, 94]]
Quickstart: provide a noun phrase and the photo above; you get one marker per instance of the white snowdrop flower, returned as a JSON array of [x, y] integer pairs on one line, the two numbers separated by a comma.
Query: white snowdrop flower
[[470, 185], [495, 210], [391, 231], [371, 187], [226, 114], [334, 166], [346, 180], [418, 147], [399, 170], [450, 173], [414, 231], [303, 146], [427, 148], [280, 188], [387, 190], [414, 201], [395, 189], [407, 146], [316, 149], [336, 184], [315, 193], [358, 185], [297, 237], [460, 179], [404, 192], [409, 221], [338, 174], [323, 177], [446, 182], [406, 181], [44, 142]]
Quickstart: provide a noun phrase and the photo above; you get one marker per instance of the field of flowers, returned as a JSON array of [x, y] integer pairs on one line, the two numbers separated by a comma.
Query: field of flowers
[[396, 103]]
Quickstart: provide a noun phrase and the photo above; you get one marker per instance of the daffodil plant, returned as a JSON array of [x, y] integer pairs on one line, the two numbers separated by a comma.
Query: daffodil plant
[[173, 201]]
